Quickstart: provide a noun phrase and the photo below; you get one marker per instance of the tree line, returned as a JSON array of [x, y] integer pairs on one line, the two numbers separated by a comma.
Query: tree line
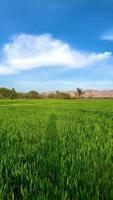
[[6, 93]]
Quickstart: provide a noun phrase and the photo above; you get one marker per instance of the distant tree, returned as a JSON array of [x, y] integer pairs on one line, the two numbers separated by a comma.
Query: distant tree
[[5, 93], [63, 95], [32, 94], [79, 92], [21, 95], [51, 96], [14, 94], [59, 95], [57, 92]]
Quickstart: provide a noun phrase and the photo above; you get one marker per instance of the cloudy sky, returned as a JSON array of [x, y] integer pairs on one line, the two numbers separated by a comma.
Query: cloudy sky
[[56, 44]]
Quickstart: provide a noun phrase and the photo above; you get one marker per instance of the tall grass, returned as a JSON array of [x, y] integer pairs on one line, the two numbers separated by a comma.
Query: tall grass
[[56, 150]]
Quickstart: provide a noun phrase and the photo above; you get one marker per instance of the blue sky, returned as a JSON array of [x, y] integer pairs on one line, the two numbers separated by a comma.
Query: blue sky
[[56, 45]]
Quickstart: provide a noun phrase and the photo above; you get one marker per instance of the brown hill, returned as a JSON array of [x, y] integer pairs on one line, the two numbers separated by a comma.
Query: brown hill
[[87, 93]]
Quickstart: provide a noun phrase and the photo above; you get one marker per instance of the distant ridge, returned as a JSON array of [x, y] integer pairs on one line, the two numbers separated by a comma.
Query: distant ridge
[[87, 93], [99, 93]]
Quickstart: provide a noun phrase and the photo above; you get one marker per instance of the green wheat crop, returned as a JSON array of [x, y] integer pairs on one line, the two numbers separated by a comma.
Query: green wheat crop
[[56, 149]]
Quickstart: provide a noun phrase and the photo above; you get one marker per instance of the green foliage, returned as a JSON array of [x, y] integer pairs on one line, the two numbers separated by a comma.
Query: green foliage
[[56, 149], [79, 92], [59, 95], [12, 94], [8, 93], [32, 95]]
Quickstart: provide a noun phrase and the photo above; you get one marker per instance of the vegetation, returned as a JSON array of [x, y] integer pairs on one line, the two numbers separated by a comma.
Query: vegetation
[[7, 93], [59, 95], [79, 92], [56, 149], [12, 94]]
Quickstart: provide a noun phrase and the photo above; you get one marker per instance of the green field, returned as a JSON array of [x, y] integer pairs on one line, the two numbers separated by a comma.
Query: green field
[[56, 149]]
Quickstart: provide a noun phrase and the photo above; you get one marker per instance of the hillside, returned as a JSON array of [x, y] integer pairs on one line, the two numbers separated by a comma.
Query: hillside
[[87, 93]]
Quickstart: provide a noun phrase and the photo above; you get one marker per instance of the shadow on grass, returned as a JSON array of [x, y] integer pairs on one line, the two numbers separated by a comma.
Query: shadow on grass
[[36, 174], [51, 160]]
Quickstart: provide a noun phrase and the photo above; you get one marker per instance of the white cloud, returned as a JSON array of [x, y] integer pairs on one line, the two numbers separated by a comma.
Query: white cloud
[[107, 36], [26, 52]]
